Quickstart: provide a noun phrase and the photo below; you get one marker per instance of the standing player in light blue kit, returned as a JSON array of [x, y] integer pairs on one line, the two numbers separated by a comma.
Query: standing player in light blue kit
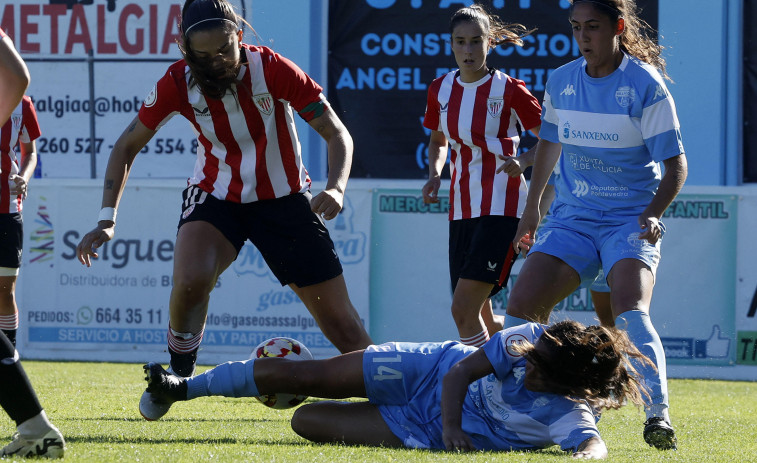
[[612, 116], [529, 387]]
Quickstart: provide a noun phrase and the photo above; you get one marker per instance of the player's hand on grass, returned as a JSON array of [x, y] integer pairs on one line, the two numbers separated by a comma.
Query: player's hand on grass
[[328, 203], [455, 440], [88, 245], [592, 448]]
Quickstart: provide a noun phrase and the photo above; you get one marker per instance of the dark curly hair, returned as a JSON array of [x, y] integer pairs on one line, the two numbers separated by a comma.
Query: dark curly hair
[[500, 32], [203, 15], [638, 39], [590, 363]]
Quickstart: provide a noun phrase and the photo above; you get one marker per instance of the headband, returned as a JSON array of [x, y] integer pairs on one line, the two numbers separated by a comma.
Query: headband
[[596, 2], [209, 19]]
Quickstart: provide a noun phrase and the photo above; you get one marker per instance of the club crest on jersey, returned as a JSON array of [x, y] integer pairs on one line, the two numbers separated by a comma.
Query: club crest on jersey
[[625, 96], [264, 102], [16, 120], [152, 97], [494, 106]]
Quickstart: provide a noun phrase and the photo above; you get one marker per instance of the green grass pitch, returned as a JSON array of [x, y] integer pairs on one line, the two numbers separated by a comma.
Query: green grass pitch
[[95, 406]]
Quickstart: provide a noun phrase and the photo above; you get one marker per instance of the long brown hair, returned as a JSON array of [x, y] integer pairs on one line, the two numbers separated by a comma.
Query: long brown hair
[[499, 32], [589, 363], [638, 39]]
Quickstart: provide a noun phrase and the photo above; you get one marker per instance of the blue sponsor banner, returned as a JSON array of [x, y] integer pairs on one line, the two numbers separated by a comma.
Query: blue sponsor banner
[[383, 54]]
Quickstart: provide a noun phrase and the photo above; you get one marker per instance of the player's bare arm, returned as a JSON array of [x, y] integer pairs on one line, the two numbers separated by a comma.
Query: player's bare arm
[[437, 156], [454, 387], [546, 156], [126, 148], [14, 78], [329, 202], [676, 170], [20, 183]]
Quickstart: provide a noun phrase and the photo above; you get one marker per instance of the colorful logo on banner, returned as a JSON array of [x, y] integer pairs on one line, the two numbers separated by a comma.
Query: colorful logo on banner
[[42, 246]]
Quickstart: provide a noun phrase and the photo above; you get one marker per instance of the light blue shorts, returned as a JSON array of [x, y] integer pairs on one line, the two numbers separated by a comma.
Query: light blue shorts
[[405, 381], [588, 239]]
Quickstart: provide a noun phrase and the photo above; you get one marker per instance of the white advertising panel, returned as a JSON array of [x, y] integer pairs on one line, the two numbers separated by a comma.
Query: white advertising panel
[[117, 310]]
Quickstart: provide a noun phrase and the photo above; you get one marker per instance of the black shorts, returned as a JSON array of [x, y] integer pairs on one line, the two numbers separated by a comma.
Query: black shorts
[[11, 240], [481, 249], [292, 239]]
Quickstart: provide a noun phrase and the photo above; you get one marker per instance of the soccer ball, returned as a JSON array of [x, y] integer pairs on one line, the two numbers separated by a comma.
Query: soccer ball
[[282, 347]]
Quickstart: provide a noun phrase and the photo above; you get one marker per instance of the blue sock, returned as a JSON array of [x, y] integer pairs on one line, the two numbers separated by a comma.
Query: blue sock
[[642, 334], [230, 379], [511, 321]]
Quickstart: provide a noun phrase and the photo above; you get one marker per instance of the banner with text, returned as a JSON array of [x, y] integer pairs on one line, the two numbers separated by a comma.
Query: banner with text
[[383, 54], [133, 43], [117, 310]]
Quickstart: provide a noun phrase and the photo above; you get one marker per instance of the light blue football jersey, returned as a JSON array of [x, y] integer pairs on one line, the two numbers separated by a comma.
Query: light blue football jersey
[[614, 131], [499, 413]]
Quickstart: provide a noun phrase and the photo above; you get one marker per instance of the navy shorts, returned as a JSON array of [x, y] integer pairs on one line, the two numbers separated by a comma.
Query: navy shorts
[[481, 249], [292, 239], [11, 243]]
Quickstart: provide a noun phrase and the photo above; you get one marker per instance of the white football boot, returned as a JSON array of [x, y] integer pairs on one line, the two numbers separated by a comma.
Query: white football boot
[[51, 445]]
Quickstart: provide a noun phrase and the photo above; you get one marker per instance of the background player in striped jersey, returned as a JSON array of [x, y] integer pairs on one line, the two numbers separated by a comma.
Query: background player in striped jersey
[[248, 183], [611, 114], [20, 129], [481, 113], [529, 387], [35, 436]]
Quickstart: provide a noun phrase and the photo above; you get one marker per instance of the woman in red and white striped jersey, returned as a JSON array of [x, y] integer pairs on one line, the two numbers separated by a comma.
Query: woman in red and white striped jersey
[[20, 128], [481, 113], [249, 181]]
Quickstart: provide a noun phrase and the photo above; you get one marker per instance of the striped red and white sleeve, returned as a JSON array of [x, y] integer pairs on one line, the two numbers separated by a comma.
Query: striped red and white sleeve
[[164, 100], [526, 105]]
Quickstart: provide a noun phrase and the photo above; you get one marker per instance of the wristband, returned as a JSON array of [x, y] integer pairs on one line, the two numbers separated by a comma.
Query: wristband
[[107, 213]]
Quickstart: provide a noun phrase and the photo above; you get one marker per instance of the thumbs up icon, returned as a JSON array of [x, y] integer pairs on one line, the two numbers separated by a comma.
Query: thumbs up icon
[[716, 346]]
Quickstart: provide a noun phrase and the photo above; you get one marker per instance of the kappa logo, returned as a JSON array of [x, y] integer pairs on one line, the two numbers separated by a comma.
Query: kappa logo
[[202, 112], [494, 106], [264, 102], [492, 267], [568, 90], [659, 92], [581, 189], [541, 238]]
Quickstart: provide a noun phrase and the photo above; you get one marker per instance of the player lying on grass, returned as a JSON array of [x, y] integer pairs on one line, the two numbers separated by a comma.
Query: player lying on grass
[[529, 387]]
